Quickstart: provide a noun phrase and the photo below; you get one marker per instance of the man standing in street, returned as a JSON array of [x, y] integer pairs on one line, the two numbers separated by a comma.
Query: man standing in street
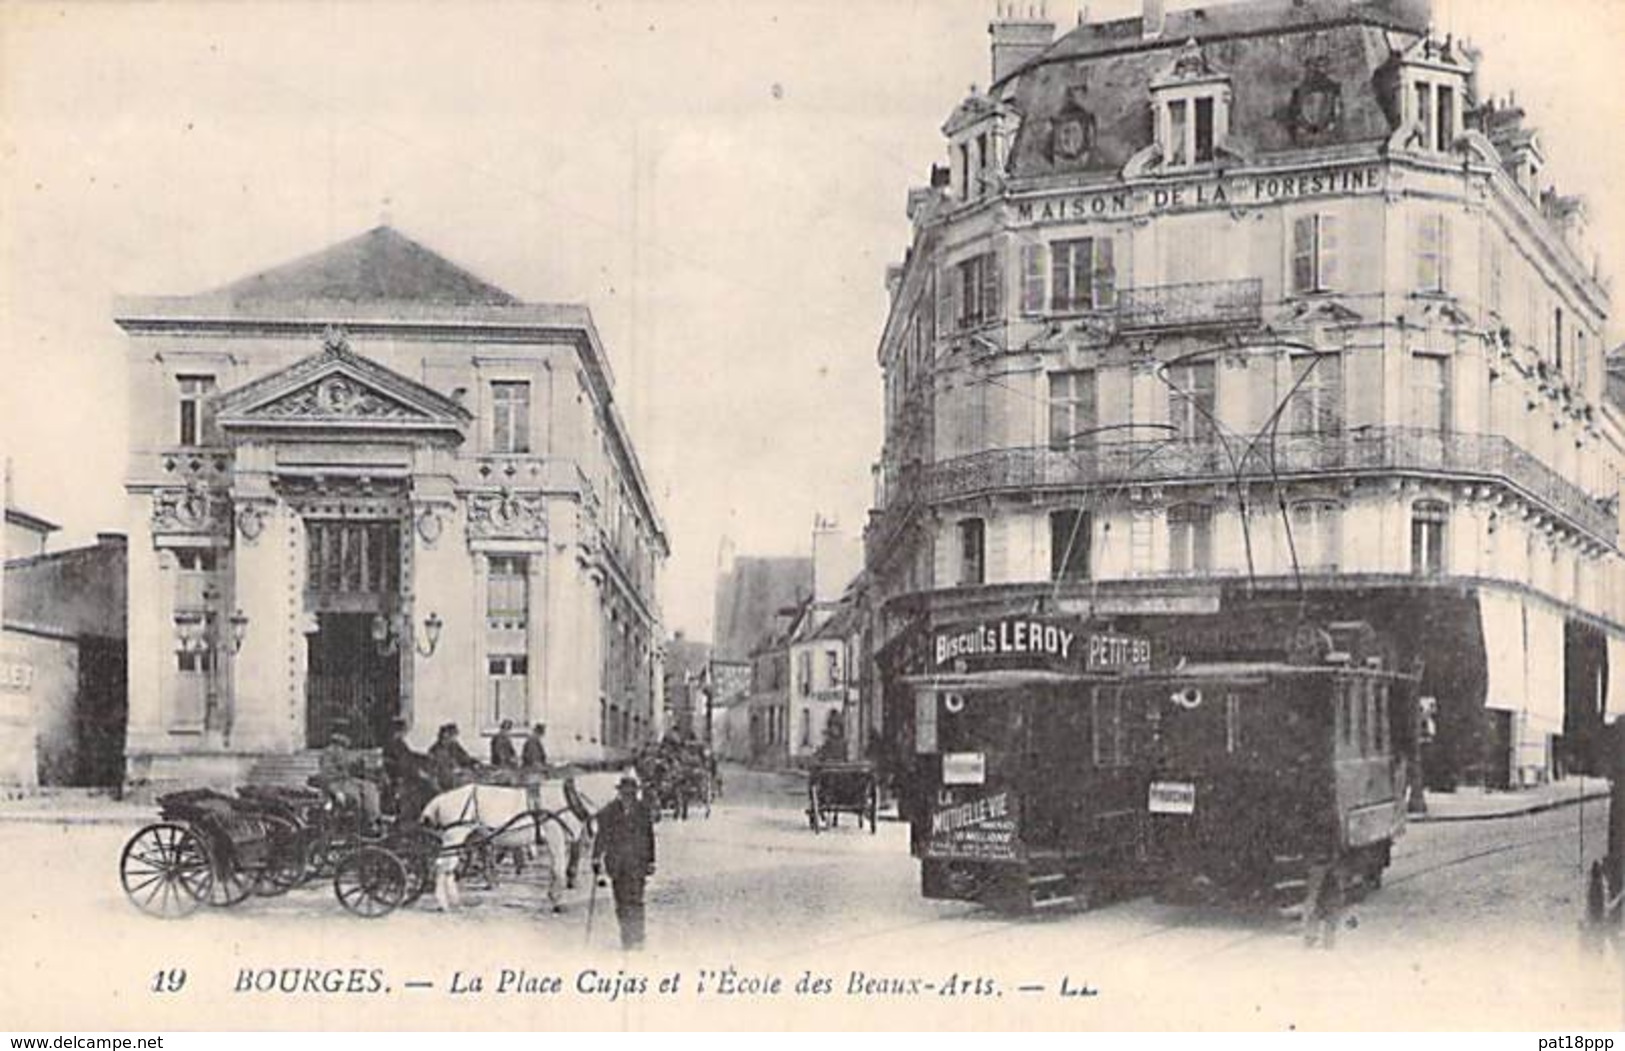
[[503, 757], [625, 847], [535, 754]]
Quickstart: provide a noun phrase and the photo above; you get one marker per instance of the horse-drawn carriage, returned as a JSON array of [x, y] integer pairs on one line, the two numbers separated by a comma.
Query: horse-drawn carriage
[[836, 788], [675, 780], [212, 848]]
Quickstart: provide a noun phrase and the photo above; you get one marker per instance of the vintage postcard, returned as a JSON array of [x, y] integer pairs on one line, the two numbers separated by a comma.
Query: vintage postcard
[[972, 514]]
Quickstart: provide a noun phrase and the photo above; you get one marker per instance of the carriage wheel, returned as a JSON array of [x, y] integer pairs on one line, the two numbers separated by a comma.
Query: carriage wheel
[[232, 885], [165, 870], [419, 848], [371, 882], [285, 861], [874, 809]]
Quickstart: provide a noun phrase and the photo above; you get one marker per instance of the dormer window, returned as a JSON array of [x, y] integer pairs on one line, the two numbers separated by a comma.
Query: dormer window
[[1433, 80], [1191, 105], [977, 132]]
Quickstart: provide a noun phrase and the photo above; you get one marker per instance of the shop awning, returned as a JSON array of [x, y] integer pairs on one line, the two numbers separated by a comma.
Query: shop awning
[[1616, 677], [1502, 621]]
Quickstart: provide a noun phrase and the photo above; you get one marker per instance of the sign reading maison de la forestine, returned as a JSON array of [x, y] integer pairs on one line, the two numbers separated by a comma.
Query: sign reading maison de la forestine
[[1035, 643], [1210, 192]]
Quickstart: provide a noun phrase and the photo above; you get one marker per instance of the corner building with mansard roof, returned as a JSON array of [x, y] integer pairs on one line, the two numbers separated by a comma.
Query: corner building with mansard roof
[[368, 485], [1254, 312]]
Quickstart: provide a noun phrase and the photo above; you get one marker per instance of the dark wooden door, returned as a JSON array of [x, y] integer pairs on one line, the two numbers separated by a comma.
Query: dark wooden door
[[350, 685]]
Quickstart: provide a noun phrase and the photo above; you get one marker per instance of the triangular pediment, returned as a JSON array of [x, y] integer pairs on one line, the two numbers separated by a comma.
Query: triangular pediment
[[337, 388]]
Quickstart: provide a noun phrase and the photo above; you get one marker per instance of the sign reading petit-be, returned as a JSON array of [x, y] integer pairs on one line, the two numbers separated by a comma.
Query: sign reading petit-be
[[1211, 192]]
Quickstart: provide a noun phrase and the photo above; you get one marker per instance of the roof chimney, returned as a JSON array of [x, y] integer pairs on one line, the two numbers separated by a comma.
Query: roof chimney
[[1152, 19], [1021, 31]]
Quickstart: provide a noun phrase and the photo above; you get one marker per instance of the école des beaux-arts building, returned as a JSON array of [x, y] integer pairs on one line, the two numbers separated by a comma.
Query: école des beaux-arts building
[[1251, 314], [367, 485]]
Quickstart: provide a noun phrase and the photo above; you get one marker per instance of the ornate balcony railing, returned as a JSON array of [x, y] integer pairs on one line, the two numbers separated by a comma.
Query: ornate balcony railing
[[1369, 450], [1189, 305]]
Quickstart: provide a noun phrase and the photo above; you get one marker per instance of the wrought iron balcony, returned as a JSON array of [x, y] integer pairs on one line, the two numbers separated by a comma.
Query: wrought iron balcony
[[1190, 305], [1369, 450]]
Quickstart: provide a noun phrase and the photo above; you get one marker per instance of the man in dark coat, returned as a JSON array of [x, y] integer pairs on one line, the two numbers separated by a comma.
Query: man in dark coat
[[534, 756], [407, 772], [503, 757], [625, 848], [450, 758]]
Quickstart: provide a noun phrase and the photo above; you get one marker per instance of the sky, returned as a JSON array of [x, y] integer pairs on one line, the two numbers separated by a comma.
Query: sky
[[722, 183]]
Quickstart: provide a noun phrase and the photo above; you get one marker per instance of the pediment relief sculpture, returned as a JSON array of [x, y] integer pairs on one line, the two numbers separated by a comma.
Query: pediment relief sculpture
[[191, 510], [507, 515]]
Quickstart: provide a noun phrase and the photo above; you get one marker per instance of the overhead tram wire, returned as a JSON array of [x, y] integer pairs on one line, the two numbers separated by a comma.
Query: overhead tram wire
[[1110, 498], [1269, 428]]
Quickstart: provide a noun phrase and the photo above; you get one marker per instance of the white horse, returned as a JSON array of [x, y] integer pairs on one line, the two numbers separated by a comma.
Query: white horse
[[543, 822]]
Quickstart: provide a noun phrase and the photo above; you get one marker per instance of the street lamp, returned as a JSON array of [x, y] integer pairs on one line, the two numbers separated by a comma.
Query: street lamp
[[431, 630], [387, 631]]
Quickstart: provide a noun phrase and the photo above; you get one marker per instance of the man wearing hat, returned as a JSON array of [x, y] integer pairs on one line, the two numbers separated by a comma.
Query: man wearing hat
[[339, 770], [534, 756], [625, 848], [451, 761], [503, 757]]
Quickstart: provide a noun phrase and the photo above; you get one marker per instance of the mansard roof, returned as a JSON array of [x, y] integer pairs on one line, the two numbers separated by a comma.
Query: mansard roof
[[1290, 64], [381, 265], [336, 388]]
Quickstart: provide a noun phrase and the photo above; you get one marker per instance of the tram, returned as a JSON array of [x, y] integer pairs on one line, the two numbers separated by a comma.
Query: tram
[[1055, 763]]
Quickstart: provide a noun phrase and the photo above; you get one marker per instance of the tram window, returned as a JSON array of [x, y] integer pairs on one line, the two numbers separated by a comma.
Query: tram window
[[1357, 709], [1110, 728], [1232, 723], [1387, 742], [1340, 702]]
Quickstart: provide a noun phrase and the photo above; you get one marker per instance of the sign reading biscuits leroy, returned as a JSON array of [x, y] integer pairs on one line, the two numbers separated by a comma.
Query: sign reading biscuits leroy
[[982, 828], [1034, 643]]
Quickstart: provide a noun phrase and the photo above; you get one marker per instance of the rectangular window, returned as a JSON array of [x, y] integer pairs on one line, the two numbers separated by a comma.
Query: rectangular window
[[1317, 404], [508, 590], [1032, 279], [1425, 115], [1072, 410], [508, 693], [195, 428], [1069, 539], [1316, 535], [1178, 123], [1314, 253], [1433, 253], [1444, 123], [1497, 268], [1428, 521], [1191, 400], [510, 417], [1082, 275], [1430, 392], [1190, 538], [978, 297], [1139, 542], [832, 667], [972, 545], [804, 672], [1204, 130], [1557, 337]]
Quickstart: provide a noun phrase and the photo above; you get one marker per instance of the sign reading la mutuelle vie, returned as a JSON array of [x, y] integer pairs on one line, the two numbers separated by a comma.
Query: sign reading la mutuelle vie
[[1035, 643], [1211, 191]]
